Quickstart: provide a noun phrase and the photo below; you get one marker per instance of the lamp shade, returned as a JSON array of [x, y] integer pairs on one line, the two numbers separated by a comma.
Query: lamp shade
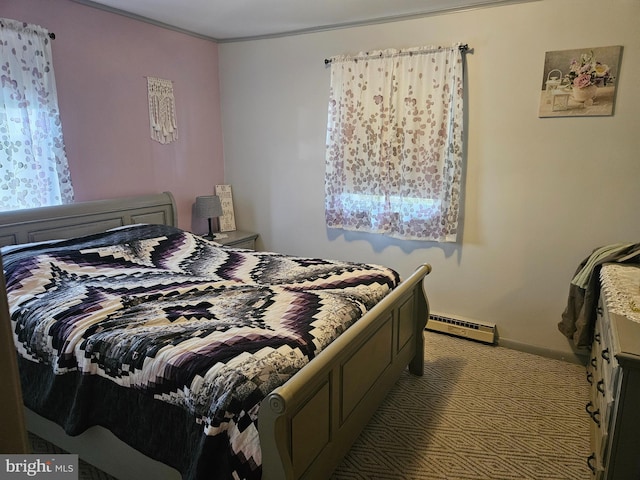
[[208, 206]]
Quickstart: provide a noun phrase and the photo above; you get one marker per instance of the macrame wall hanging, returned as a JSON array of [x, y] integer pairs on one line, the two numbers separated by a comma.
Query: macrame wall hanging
[[162, 110]]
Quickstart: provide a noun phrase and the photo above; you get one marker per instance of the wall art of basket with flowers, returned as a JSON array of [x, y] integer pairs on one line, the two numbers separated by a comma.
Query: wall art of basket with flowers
[[580, 82]]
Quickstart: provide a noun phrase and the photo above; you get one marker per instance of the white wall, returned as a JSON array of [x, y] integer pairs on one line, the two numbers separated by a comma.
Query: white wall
[[541, 194]]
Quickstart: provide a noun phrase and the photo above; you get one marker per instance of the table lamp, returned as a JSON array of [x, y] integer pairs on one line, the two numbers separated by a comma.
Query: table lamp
[[208, 206]]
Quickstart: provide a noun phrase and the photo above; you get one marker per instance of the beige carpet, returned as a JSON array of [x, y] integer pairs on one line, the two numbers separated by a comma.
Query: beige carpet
[[479, 413]]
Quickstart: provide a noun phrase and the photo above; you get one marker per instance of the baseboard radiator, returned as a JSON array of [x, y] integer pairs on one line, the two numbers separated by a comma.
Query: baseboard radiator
[[480, 331]]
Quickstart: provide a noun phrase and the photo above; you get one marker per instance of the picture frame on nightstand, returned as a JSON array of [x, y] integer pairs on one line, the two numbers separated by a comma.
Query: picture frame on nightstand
[[227, 220]]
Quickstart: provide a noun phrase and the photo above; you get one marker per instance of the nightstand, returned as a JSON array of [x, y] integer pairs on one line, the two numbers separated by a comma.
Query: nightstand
[[237, 239]]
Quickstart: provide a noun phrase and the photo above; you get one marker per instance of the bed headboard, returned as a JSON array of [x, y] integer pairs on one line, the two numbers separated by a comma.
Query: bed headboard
[[85, 218]]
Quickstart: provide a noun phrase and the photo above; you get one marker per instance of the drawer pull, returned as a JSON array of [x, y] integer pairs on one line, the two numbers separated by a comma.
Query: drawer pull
[[596, 337], [594, 414], [594, 363], [600, 387], [590, 378], [591, 459], [605, 355]]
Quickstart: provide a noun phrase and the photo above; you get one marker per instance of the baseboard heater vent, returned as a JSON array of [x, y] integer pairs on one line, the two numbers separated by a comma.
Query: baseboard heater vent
[[480, 331]]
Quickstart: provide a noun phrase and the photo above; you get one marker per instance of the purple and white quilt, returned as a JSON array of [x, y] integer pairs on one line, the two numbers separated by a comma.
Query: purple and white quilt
[[197, 334]]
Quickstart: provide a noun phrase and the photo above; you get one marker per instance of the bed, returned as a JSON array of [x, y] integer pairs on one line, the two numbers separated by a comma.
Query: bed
[[273, 411]]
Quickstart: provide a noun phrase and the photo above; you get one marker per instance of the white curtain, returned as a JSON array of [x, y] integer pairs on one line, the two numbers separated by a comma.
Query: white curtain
[[33, 164], [394, 143]]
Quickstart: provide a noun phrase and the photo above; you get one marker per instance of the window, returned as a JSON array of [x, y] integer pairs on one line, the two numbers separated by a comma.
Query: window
[[33, 164], [394, 143]]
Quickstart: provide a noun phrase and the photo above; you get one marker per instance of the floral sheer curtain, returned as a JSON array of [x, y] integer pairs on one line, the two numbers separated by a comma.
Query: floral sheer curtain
[[33, 164], [394, 143]]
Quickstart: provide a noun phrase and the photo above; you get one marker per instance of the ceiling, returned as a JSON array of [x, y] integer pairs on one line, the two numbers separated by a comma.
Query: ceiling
[[233, 20]]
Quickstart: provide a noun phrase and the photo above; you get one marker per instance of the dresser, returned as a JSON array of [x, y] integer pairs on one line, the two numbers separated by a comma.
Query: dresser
[[614, 374], [237, 239]]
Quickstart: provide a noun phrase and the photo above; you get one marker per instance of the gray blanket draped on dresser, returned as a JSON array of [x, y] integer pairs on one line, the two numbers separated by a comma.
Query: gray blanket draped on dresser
[[579, 316]]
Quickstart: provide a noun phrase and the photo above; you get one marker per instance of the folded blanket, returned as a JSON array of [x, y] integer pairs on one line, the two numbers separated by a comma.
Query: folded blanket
[[581, 279]]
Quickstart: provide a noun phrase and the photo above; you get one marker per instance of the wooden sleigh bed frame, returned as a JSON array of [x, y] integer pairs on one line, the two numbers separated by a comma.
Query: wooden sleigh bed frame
[[307, 425]]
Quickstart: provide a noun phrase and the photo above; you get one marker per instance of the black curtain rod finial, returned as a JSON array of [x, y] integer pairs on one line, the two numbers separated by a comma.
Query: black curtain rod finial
[[52, 35]]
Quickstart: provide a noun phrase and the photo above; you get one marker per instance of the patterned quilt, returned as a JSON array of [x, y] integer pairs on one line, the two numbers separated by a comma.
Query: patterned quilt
[[154, 316]]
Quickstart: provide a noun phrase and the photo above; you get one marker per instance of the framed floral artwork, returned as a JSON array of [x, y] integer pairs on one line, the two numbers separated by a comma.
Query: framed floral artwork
[[580, 82]]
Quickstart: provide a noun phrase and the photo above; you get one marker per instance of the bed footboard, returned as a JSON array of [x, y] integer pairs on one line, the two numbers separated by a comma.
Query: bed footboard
[[307, 425]]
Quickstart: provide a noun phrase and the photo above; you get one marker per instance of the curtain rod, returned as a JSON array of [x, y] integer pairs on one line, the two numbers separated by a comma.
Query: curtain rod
[[51, 35], [463, 48]]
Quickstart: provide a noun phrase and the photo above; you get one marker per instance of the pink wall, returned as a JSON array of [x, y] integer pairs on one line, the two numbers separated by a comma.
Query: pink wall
[[101, 62]]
